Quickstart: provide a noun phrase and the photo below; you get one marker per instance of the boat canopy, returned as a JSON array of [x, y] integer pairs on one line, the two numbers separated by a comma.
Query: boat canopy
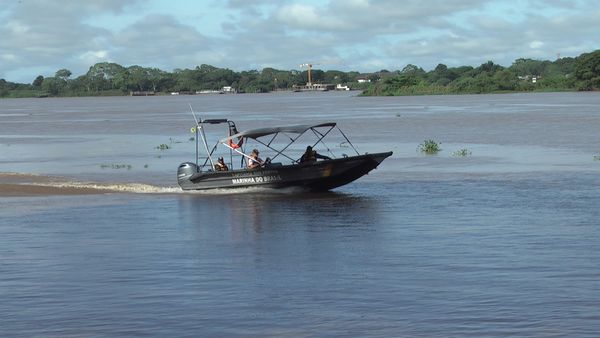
[[292, 129]]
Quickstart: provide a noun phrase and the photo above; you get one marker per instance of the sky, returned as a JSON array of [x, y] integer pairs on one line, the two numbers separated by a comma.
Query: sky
[[39, 37]]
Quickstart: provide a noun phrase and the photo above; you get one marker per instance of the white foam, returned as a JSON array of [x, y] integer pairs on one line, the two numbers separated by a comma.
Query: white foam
[[142, 188], [245, 190], [138, 188]]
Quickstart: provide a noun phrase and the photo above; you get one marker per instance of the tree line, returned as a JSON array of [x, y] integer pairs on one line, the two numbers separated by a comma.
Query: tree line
[[105, 78], [565, 74]]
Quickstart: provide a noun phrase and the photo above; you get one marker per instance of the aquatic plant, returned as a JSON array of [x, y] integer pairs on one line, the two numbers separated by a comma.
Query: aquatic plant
[[462, 152], [596, 157], [429, 147], [145, 166], [163, 146]]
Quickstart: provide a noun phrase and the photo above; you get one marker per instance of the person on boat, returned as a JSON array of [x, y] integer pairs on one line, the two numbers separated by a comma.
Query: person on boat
[[311, 155], [220, 165], [254, 161]]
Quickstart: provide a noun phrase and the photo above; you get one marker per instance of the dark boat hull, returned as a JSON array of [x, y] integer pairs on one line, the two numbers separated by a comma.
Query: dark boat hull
[[316, 176]]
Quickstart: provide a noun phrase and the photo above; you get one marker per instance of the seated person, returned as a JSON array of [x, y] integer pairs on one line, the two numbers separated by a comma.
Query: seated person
[[220, 165], [254, 161], [311, 155]]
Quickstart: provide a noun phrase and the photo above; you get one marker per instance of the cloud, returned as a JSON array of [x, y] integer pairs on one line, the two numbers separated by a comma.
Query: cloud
[[163, 40], [46, 36], [93, 57], [363, 35], [306, 17]]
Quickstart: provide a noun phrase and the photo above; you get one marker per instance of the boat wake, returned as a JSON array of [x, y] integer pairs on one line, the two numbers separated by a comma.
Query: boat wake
[[21, 184], [141, 188], [137, 188]]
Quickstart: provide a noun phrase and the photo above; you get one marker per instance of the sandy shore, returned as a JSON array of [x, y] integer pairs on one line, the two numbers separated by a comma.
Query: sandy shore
[[17, 184]]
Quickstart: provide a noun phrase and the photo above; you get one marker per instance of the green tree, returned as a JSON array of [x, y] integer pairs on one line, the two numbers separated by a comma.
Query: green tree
[[413, 70], [524, 67], [63, 74], [3, 88], [505, 80], [37, 83], [488, 67], [440, 75], [53, 86], [587, 70], [101, 76]]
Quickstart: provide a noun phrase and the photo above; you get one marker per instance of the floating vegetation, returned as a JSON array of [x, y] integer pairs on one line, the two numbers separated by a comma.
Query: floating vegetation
[[145, 166], [398, 115], [429, 147], [116, 166], [596, 157], [163, 146], [462, 153], [192, 139]]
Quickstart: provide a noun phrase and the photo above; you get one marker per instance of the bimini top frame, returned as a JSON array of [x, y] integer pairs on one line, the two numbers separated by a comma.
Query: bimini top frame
[[320, 130]]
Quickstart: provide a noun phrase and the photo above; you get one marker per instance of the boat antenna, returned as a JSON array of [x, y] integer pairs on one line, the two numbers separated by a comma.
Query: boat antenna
[[199, 126]]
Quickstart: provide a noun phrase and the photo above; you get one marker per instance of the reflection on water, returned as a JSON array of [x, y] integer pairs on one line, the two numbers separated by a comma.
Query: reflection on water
[[270, 211]]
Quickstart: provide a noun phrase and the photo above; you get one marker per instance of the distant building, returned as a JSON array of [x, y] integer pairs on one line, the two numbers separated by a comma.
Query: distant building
[[363, 79], [532, 78], [228, 90]]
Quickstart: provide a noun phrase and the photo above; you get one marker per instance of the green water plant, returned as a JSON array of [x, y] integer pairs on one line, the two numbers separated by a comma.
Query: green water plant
[[596, 157], [163, 146], [429, 147], [462, 153]]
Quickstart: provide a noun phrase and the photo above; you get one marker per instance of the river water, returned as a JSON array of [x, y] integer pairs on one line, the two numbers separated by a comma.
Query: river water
[[503, 242]]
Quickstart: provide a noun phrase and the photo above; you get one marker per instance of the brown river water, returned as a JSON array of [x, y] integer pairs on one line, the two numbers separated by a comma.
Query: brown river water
[[96, 238]]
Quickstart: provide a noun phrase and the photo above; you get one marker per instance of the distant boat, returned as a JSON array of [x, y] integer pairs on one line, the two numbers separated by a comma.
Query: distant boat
[[142, 93], [313, 87], [209, 91]]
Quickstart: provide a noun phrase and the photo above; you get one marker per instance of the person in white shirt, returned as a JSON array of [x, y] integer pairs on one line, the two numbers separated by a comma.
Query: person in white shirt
[[254, 161]]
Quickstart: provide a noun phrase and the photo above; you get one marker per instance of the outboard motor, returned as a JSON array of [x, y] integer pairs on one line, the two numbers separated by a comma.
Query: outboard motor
[[186, 170]]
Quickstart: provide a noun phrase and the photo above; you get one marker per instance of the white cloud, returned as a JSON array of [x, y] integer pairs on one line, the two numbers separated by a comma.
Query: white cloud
[[93, 57], [250, 34], [8, 57], [306, 17], [17, 28], [536, 44]]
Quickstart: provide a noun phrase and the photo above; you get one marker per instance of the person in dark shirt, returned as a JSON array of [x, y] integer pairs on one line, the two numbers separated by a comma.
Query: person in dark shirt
[[220, 165], [311, 155]]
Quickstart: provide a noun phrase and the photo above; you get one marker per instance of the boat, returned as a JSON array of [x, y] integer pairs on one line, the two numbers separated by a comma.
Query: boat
[[313, 87], [284, 169]]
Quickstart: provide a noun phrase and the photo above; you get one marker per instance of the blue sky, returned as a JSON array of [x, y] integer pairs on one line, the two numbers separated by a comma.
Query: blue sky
[[40, 37]]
